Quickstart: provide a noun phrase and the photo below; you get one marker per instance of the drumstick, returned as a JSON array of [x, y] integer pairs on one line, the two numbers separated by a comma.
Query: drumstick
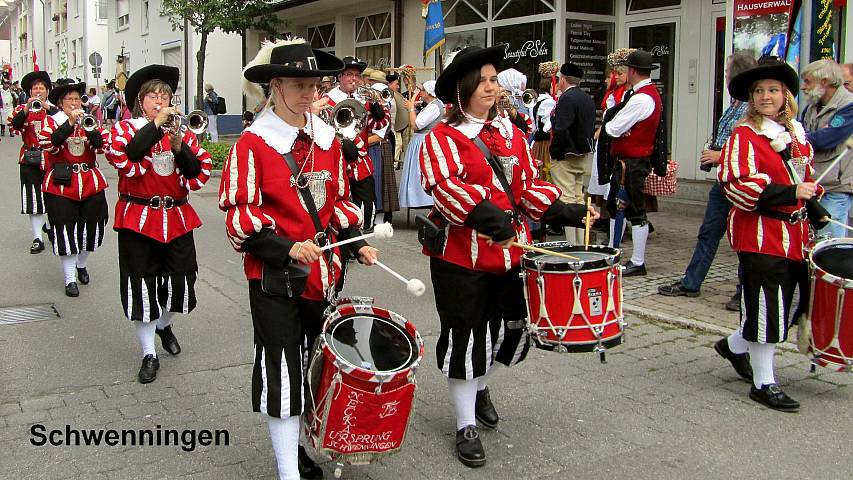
[[413, 286], [840, 224], [535, 249], [586, 232], [381, 231]]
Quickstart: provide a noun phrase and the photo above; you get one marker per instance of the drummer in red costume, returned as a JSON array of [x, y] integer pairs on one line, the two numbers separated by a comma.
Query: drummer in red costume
[[27, 123], [360, 167], [158, 166], [478, 291], [285, 194], [73, 184], [766, 171]]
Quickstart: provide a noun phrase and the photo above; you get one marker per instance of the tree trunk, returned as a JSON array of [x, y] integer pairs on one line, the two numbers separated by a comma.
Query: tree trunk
[[199, 81]]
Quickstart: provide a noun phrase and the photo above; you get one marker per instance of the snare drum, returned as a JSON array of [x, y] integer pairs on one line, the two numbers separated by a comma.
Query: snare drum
[[575, 305], [830, 307], [362, 382]]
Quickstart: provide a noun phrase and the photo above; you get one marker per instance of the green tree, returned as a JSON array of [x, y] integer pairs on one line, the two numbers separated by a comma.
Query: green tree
[[230, 16]]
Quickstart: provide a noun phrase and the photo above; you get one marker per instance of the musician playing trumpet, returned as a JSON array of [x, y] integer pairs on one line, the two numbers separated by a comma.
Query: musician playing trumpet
[[73, 184], [159, 162]]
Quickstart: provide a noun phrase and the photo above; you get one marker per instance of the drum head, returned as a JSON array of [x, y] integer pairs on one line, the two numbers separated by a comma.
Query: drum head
[[595, 257], [372, 343], [835, 258]]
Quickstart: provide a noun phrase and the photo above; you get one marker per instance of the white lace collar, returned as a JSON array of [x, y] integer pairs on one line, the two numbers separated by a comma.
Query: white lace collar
[[60, 117], [279, 135], [337, 95], [472, 129], [777, 134]]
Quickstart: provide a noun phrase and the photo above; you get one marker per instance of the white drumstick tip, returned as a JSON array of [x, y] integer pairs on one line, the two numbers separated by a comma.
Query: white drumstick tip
[[415, 287], [383, 231]]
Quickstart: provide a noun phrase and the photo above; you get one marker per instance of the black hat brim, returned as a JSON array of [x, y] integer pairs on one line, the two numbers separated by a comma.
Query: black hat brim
[[167, 74], [739, 86], [464, 62], [327, 65], [32, 77], [60, 91], [651, 66]]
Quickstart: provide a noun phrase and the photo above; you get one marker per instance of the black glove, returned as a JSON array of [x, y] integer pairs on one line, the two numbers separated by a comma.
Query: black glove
[[95, 139], [564, 214], [377, 112], [349, 150], [815, 213], [491, 221]]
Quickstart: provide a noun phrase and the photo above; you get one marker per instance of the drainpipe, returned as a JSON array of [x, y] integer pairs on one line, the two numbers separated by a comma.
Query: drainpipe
[[187, 66]]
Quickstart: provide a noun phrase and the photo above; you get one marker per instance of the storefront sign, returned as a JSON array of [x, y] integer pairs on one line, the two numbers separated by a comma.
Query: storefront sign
[[823, 43], [762, 26], [529, 49], [752, 8], [587, 46]]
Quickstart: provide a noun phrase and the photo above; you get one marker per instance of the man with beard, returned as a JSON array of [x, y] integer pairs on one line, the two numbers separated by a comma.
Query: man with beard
[[847, 73], [828, 120]]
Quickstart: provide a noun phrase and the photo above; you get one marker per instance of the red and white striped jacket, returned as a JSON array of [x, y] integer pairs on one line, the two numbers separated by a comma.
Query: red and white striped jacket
[[363, 167], [258, 191], [84, 183], [32, 126], [140, 179], [749, 164], [458, 176]]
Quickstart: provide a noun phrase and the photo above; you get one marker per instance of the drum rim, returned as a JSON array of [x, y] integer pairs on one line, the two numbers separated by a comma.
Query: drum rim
[[528, 263], [826, 276], [411, 354]]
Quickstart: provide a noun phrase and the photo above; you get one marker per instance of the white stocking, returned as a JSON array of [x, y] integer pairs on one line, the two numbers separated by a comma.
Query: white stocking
[[284, 433], [737, 344], [36, 222], [612, 228], [761, 359], [82, 258], [145, 332], [165, 319], [639, 235], [68, 269], [463, 393]]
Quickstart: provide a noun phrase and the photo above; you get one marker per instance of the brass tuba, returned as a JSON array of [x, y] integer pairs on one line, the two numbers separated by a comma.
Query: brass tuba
[[348, 118]]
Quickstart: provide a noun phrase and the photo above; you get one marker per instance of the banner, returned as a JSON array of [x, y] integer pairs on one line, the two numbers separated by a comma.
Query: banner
[[823, 43], [762, 26], [793, 54], [433, 29]]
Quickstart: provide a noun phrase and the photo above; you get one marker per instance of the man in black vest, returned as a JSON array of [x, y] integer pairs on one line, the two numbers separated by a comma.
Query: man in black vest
[[573, 124]]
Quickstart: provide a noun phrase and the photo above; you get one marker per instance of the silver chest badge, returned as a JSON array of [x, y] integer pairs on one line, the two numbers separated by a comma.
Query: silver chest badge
[[315, 182], [76, 146], [164, 163], [507, 164]]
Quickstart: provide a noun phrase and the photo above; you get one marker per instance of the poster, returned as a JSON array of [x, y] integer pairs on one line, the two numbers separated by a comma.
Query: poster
[[823, 41], [761, 26]]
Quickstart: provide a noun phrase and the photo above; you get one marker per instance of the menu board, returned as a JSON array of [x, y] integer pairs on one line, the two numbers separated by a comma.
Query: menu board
[[587, 46]]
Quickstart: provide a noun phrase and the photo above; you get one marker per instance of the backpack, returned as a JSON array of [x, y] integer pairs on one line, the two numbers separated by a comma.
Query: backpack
[[220, 106]]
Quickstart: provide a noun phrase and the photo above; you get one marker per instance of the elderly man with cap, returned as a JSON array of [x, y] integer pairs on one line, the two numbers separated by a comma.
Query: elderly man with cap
[[572, 125], [633, 133]]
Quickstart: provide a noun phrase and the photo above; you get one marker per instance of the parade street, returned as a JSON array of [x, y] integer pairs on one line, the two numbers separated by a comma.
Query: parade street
[[664, 406]]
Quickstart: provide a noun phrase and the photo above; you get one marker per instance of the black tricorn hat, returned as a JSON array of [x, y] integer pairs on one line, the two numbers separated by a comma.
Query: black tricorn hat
[[571, 70], [64, 86], [296, 59], [640, 59], [768, 68], [354, 62], [467, 59], [30, 78], [169, 75]]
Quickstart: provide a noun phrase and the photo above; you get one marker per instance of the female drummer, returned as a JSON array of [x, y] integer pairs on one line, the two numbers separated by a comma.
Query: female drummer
[[271, 216], [28, 122], [478, 291], [766, 174], [73, 184], [158, 165], [412, 194]]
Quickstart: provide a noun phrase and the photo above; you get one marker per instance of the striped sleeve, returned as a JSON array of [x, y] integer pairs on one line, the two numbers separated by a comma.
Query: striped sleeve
[[240, 196], [739, 175], [379, 125], [121, 134], [12, 129], [536, 195], [105, 136], [443, 178], [528, 120], [203, 157], [346, 214], [45, 134]]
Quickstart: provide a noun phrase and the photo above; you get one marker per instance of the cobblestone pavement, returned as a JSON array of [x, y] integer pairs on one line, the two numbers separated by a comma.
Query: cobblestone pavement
[[664, 406]]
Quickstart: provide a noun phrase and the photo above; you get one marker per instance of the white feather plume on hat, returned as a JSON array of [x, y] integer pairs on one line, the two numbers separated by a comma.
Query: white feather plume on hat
[[253, 90]]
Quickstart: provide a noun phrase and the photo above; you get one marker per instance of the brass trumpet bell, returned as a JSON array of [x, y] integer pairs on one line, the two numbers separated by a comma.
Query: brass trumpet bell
[[88, 123], [36, 106], [348, 118]]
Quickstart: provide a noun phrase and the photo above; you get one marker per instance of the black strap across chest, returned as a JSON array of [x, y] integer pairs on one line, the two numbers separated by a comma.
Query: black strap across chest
[[499, 172]]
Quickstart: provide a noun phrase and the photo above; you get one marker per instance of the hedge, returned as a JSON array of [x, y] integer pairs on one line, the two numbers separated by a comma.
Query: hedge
[[218, 150]]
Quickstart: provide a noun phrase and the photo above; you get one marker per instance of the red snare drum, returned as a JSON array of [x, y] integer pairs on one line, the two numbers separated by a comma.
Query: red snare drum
[[362, 382], [830, 307], [575, 306]]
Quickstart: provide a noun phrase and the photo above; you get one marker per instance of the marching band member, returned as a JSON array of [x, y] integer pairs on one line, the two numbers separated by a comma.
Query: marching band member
[[285, 194], [766, 171], [514, 82], [27, 123], [478, 290], [158, 165], [73, 184], [360, 167]]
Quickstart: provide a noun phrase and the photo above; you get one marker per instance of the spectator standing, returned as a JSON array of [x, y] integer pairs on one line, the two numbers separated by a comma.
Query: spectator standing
[[210, 107], [8, 103]]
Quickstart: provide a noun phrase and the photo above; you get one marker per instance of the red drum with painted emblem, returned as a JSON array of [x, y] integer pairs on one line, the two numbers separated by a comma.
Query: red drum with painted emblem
[[831, 304]]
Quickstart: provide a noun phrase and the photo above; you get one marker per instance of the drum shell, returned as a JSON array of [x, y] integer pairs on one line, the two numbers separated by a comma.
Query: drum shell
[[830, 311]]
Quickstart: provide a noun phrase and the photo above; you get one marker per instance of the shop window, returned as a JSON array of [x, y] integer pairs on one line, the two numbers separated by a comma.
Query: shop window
[[638, 5], [587, 45], [459, 40], [322, 36], [373, 27], [377, 56], [659, 40], [527, 45], [519, 8], [464, 12], [598, 7]]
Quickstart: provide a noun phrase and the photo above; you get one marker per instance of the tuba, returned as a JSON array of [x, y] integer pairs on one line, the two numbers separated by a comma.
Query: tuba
[[348, 118]]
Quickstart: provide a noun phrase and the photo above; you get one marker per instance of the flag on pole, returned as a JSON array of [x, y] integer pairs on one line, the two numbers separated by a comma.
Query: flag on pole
[[434, 27], [35, 61]]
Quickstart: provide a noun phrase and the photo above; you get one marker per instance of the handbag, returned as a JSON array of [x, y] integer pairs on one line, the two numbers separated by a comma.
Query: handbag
[[61, 174], [432, 233], [663, 186], [33, 158]]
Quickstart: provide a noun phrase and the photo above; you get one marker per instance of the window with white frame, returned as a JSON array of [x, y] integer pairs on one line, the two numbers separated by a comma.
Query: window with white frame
[[73, 62], [373, 39], [122, 14], [322, 37], [102, 10]]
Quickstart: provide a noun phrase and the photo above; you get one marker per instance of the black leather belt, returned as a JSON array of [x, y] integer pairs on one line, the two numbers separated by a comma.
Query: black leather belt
[[80, 167], [794, 217], [155, 202]]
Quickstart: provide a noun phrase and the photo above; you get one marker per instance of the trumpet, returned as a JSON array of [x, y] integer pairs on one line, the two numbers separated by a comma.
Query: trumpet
[[527, 97], [88, 122], [36, 106], [195, 122], [366, 93], [84, 99], [348, 118]]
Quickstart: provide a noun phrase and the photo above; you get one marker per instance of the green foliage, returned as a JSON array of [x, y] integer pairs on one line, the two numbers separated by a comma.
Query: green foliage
[[230, 16], [218, 151]]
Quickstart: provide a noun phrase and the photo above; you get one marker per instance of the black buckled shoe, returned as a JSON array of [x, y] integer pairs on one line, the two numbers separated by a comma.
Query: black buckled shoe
[[469, 449], [733, 305], [740, 361], [307, 468], [632, 270], [484, 409], [167, 338], [71, 290], [772, 396], [37, 246], [83, 275], [148, 371], [676, 289]]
